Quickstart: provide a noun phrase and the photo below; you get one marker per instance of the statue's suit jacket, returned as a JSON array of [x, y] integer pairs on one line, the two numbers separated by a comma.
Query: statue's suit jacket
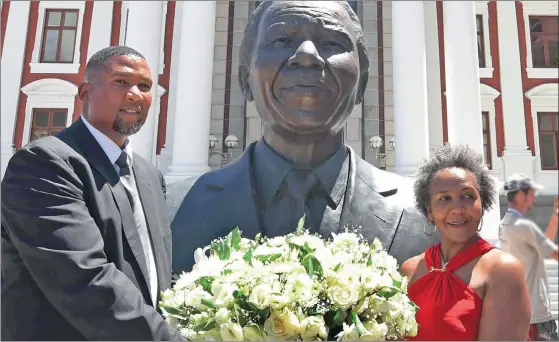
[[380, 203]]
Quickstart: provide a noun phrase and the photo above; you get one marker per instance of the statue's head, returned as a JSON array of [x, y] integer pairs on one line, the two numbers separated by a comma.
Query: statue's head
[[305, 65]]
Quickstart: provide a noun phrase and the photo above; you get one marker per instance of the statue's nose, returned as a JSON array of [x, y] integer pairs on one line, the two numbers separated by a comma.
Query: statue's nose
[[306, 56]]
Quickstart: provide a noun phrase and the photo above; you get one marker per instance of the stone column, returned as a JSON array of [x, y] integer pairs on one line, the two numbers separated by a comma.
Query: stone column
[[463, 97], [12, 67], [517, 156], [193, 68], [143, 33], [101, 20], [410, 86], [464, 119], [434, 104]]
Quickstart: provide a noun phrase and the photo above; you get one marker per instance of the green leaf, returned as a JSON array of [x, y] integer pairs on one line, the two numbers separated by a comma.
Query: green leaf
[[389, 291], [301, 225], [227, 272], [206, 283], [355, 320], [370, 261], [338, 267], [338, 318], [312, 265], [205, 326], [274, 257], [235, 238], [208, 303], [224, 251], [308, 248], [173, 311], [269, 258], [248, 256], [396, 283], [414, 306]]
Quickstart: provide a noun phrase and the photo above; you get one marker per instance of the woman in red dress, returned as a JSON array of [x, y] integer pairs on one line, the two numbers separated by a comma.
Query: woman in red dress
[[466, 289]]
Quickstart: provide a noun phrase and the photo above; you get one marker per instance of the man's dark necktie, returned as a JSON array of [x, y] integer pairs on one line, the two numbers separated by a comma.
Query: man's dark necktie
[[300, 185], [127, 179]]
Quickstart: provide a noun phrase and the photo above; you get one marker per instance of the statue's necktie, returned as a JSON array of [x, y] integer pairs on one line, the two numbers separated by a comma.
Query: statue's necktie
[[300, 184], [127, 179]]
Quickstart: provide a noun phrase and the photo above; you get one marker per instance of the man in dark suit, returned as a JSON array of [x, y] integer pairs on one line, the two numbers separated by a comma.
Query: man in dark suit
[[86, 242], [305, 66]]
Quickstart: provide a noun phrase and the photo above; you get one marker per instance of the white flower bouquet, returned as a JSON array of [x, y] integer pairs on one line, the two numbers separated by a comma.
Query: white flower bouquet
[[294, 287]]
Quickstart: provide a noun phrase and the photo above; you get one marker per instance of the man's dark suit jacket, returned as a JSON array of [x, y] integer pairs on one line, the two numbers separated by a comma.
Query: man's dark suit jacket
[[379, 202], [72, 263]]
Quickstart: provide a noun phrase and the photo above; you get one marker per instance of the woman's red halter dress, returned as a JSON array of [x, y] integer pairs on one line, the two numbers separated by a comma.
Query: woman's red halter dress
[[449, 310]]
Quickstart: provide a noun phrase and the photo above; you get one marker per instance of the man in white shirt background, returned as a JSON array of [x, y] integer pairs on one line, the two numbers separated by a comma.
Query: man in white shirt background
[[522, 238]]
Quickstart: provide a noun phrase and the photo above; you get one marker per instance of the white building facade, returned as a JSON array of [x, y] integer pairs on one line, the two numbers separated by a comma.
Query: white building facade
[[477, 72]]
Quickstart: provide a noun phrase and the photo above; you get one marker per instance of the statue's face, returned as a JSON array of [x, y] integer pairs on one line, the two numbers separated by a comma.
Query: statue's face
[[305, 67]]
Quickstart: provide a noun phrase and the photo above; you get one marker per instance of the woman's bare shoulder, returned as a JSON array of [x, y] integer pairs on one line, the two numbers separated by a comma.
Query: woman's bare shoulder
[[499, 265], [409, 267]]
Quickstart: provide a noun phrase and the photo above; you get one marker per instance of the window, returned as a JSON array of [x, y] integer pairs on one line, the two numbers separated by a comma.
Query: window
[[47, 121], [548, 136], [59, 36], [486, 139], [544, 33], [480, 41]]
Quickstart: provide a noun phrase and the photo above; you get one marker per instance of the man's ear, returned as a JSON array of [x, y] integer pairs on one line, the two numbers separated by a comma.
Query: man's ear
[[244, 83], [83, 91], [363, 79]]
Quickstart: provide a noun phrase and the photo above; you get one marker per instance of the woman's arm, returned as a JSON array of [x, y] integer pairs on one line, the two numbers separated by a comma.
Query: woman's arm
[[506, 306]]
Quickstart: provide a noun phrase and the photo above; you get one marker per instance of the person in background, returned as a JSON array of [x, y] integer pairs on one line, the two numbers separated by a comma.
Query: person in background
[[466, 289], [86, 243], [522, 237]]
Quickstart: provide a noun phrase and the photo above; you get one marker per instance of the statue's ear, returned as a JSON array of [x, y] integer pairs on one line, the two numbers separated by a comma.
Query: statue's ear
[[363, 79], [244, 82]]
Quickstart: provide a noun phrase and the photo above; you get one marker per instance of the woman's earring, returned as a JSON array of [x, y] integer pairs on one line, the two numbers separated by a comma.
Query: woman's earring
[[480, 225], [425, 229]]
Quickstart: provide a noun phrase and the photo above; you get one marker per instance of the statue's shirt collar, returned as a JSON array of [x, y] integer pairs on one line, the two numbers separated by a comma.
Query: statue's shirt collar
[[271, 169]]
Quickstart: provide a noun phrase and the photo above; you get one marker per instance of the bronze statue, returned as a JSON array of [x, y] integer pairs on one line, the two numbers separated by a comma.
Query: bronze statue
[[304, 64]]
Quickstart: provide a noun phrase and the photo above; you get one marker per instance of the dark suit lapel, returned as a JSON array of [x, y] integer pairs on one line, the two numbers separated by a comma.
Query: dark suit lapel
[[365, 203], [234, 193], [101, 163], [145, 189]]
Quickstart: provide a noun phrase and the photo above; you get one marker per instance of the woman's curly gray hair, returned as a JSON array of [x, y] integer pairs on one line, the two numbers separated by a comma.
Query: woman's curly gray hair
[[458, 156]]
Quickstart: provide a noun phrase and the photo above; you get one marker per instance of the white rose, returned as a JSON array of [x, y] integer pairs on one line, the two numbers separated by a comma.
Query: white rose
[[370, 280], [314, 242], [284, 324], [343, 297], [194, 299], [313, 326], [349, 333], [279, 301], [299, 287], [374, 331], [345, 241], [231, 332], [276, 241], [252, 332], [224, 298], [412, 329], [260, 296], [222, 315], [199, 319], [362, 305]]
